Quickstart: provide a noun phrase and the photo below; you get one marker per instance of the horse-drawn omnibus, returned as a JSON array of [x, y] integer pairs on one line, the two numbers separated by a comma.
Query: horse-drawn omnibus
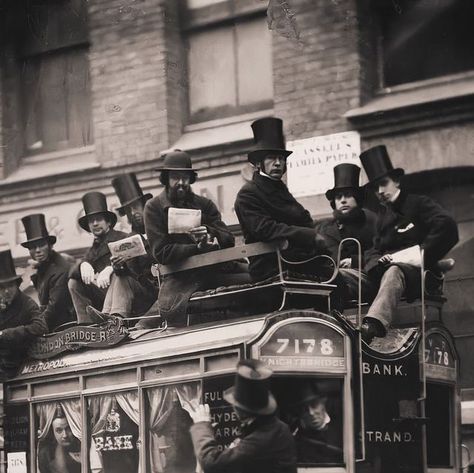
[[392, 406]]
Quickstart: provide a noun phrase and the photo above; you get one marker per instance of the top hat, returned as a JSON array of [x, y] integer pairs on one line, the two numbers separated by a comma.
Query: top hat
[[95, 203], [128, 191], [269, 139], [7, 268], [177, 160], [251, 389], [35, 228], [377, 164], [346, 176]]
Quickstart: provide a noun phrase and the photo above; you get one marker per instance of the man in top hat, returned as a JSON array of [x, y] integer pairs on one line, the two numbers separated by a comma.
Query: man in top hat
[[20, 319], [350, 220], [177, 175], [90, 278], [403, 221], [266, 444], [132, 290], [52, 272], [266, 209], [318, 436]]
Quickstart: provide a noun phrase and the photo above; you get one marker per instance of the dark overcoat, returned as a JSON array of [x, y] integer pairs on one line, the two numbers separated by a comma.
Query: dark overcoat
[[361, 226], [411, 220], [50, 281], [266, 446], [98, 255], [20, 324], [166, 248], [267, 211]]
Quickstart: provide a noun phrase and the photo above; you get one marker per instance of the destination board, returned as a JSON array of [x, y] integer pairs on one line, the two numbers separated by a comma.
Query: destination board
[[303, 346]]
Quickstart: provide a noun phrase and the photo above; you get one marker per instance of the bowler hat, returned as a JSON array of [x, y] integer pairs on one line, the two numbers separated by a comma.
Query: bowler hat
[[7, 268], [95, 203], [305, 393], [377, 164], [251, 391], [128, 191], [35, 228], [346, 176], [268, 138], [176, 160]]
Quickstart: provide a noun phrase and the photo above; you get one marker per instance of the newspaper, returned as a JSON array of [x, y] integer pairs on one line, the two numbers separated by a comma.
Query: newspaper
[[182, 220], [129, 247], [411, 255]]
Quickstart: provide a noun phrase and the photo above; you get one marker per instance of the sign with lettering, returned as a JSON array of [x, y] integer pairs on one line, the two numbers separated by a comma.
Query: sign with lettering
[[310, 167], [16, 462], [16, 428], [440, 358], [224, 420], [73, 338], [303, 346]]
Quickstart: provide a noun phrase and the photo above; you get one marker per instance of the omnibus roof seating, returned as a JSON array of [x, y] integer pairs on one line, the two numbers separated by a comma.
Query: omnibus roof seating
[[273, 293]]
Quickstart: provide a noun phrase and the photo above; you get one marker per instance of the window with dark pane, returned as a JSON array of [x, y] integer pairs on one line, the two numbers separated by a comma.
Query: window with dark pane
[[54, 75], [424, 39]]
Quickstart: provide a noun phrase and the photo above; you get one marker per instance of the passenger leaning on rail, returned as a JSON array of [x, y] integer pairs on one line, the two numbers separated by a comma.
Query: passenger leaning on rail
[[350, 220], [132, 290], [171, 241], [403, 221], [90, 278], [266, 209], [20, 319], [51, 276], [265, 445]]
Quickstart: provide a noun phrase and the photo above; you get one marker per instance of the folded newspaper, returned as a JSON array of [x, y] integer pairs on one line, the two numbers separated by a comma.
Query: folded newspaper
[[128, 248], [411, 255], [182, 220]]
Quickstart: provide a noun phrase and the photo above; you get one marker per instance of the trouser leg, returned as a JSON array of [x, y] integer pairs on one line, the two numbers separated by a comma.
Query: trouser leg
[[83, 295], [392, 287]]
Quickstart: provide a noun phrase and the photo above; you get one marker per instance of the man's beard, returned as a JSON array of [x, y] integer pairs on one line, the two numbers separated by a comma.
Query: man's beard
[[179, 193]]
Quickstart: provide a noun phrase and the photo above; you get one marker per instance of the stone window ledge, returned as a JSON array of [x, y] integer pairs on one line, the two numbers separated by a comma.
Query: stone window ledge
[[419, 105], [53, 164], [216, 133]]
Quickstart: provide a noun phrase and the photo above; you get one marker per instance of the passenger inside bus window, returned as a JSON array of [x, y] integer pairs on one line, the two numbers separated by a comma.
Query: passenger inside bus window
[[170, 445], [59, 449], [114, 429], [313, 410]]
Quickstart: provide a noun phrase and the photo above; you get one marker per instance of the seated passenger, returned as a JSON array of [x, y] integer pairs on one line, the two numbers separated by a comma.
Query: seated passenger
[[404, 220], [51, 276], [132, 290], [60, 452], [20, 319], [90, 278], [350, 220], [318, 438], [266, 209], [177, 175]]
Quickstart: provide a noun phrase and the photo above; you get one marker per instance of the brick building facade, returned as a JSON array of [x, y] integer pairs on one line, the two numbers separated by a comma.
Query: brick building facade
[[138, 77]]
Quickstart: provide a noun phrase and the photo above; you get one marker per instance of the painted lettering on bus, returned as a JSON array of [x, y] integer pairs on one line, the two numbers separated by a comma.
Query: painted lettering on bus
[[115, 442], [219, 417], [213, 396], [383, 369], [378, 436], [222, 432], [43, 366]]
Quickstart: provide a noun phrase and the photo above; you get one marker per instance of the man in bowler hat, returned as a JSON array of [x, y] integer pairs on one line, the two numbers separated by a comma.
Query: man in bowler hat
[[265, 445], [132, 290], [350, 220], [52, 270], [177, 175], [268, 211], [90, 278], [20, 319], [403, 221]]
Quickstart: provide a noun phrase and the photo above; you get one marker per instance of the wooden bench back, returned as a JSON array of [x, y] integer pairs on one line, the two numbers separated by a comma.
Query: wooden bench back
[[221, 256]]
